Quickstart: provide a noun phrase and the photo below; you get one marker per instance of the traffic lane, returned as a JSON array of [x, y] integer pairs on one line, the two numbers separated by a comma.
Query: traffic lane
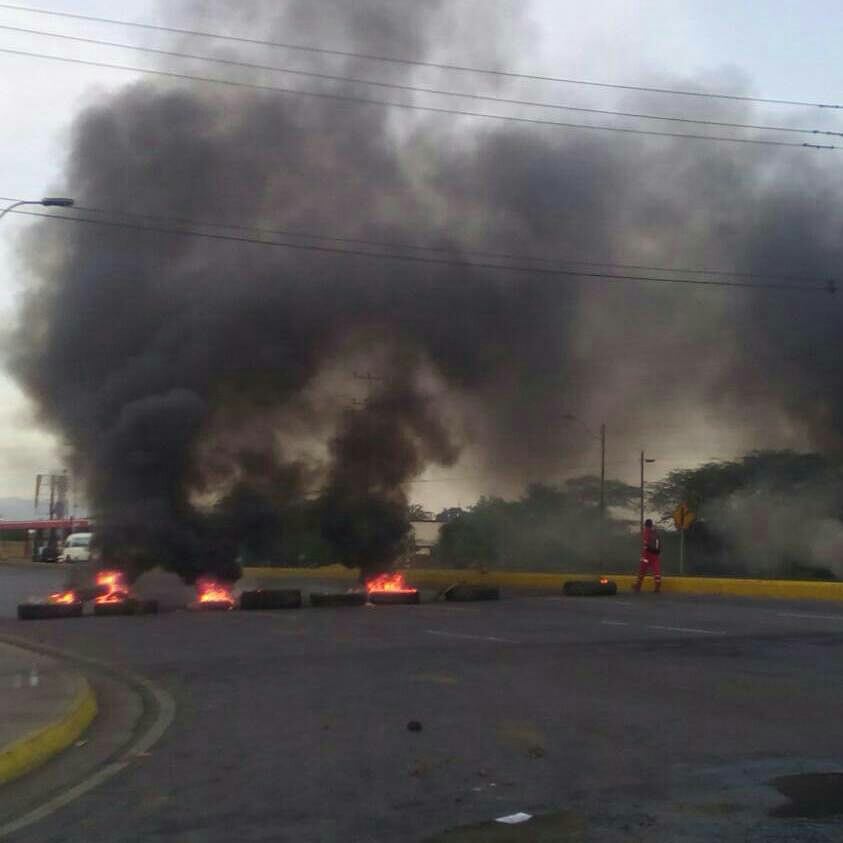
[[293, 724], [347, 769], [689, 615], [674, 613], [139, 641]]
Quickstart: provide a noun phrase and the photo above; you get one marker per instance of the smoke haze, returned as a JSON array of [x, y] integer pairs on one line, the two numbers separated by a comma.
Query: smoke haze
[[179, 369]]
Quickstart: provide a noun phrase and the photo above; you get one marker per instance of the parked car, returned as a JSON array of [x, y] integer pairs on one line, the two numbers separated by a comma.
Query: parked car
[[48, 552], [77, 548]]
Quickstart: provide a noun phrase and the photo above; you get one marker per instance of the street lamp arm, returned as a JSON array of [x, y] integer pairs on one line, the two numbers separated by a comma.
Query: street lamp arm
[[16, 205], [47, 202]]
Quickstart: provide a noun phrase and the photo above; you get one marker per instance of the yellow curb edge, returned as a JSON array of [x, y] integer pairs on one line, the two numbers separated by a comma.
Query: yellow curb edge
[[33, 750], [723, 586]]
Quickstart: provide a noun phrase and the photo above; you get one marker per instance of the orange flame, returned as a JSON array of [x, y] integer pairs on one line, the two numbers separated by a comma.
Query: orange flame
[[63, 597], [117, 589], [604, 580], [389, 582], [211, 591]]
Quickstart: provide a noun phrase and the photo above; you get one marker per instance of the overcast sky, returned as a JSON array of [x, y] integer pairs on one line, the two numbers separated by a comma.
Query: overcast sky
[[780, 48]]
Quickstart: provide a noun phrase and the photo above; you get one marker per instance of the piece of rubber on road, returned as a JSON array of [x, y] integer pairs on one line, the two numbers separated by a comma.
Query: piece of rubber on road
[[132, 606], [393, 598], [280, 598], [350, 598], [462, 593], [589, 588], [45, 611]]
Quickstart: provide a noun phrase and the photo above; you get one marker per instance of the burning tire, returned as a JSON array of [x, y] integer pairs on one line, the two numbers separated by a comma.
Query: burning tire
[[590, 588], [116, 607], [91, 592], [131, 606], [393, 598], [470, 593], [347, 598], [261, 599], [45, 611], [211, 606]]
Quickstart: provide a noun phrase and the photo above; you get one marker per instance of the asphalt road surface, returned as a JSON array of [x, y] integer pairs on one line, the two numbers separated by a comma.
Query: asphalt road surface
[[644, 717]]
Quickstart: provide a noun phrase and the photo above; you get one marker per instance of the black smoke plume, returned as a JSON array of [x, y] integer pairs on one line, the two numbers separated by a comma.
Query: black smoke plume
[[196, 381], [363, 510]]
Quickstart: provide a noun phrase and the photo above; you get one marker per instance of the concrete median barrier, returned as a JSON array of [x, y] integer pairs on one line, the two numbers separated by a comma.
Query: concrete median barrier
[[535, 581]]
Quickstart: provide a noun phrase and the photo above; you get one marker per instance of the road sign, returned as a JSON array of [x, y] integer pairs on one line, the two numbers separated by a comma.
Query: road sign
[[683, 517]]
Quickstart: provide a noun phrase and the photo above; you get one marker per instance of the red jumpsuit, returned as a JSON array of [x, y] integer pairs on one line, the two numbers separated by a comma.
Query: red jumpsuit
[[650, 558]]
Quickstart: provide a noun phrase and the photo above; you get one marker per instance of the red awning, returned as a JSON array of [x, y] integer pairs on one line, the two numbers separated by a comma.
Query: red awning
[[47, 524]]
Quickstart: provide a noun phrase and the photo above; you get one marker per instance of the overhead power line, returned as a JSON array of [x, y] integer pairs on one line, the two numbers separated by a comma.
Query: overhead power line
[[508, 74], [415, 107], [419, 259], [395, 86], [452, 251]]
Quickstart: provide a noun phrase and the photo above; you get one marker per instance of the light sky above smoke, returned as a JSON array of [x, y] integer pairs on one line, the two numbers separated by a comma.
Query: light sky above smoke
[[776, 49]]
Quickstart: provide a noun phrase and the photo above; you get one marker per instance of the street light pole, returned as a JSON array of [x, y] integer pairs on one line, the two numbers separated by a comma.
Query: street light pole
[[47, 202], [643, 460]]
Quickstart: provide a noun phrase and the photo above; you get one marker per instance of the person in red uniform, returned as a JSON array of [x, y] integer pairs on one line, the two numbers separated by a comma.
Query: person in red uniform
[[651, 548]]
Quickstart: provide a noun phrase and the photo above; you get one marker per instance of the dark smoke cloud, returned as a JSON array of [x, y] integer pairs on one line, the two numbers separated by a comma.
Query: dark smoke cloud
[[364, 506], [183, 371]]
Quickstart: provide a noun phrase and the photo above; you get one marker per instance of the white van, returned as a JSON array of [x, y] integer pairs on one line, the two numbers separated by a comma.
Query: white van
[[77, 548]]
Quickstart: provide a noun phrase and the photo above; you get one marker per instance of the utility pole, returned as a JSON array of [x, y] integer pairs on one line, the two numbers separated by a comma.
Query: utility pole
[[52, 496], [602, 474], [643, 460], [602, 438]]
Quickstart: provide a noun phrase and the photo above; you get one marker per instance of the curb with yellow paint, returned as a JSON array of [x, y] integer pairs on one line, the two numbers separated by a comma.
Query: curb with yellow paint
[[722, 586], [36, 748]]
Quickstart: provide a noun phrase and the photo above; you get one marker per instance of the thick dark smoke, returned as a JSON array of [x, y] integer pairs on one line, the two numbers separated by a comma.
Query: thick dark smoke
[[364, 506], [197, 381]]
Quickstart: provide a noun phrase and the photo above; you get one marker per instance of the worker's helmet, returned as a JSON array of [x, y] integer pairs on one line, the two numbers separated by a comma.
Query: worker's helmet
[[648, 522]]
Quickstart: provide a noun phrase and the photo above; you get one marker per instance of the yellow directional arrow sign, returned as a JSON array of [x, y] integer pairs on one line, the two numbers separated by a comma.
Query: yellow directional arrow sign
[[683, 517]]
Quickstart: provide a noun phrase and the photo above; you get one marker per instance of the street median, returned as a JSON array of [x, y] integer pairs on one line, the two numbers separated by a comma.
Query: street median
[[51, 735], [536, 581]]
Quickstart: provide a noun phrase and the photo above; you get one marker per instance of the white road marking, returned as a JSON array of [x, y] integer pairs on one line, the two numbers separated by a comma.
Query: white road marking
[[445, 634], [811, 616], [684, 629], [163, 719], [615, 623]]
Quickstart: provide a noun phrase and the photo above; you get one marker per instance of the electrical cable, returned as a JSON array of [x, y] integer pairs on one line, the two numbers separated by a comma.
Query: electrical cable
[[722, 124], [448, 250], [415, 107], [418, 259], [509, 74]]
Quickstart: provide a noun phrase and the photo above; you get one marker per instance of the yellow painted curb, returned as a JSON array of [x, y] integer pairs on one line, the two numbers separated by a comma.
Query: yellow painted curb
[[785, 589], [33, 750]]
